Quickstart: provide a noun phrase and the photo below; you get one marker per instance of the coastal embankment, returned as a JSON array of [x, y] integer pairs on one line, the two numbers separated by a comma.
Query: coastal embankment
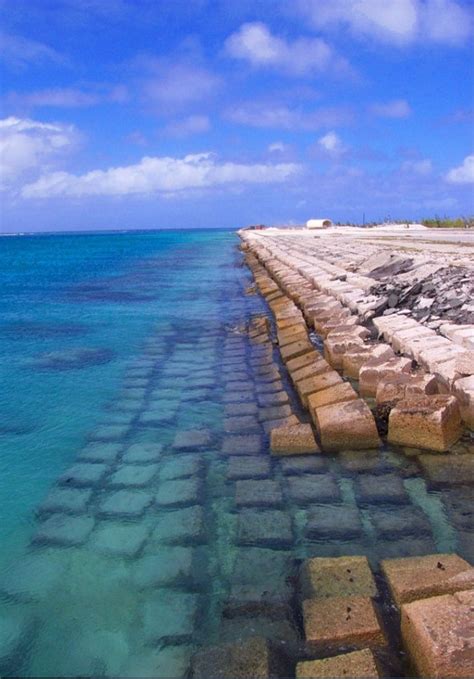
[[376, 330]]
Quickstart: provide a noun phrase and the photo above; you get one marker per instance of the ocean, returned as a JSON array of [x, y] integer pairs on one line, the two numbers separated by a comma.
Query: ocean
[[122, 508]]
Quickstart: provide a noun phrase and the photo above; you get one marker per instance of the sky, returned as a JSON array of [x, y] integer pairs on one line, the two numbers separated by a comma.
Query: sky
[[146, 114]]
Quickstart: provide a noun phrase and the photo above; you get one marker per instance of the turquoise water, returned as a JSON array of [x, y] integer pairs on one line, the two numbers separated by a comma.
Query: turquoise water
[[131, 532]]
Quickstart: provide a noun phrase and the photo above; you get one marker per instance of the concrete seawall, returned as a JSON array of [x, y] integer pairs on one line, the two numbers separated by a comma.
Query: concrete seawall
[[397, 321]]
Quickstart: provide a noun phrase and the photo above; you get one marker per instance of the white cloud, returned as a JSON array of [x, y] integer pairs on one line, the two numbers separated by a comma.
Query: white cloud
[[464, 174], [19, 52], [67, 97], [195, 124], [276, 147], [165, 175], [397, 108], [331, 143], [396, 22], [27, 145], [278, 116], [254, 43]]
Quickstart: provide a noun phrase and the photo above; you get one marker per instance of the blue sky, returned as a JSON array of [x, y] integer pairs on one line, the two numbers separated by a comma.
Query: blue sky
[[121, 114]]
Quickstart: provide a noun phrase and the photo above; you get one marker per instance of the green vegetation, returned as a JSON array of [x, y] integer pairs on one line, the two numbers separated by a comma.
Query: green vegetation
[[446, 223]]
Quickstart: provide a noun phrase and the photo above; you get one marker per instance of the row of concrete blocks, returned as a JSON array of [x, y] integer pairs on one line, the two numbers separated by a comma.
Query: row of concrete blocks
[[348, 623], [448, 356], [380, 372]]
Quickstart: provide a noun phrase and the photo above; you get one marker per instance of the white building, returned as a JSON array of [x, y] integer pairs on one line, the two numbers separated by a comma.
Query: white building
[[318, 223]]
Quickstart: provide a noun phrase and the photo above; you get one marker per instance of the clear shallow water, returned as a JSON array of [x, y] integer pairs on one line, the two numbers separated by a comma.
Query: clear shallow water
[[111, 346]]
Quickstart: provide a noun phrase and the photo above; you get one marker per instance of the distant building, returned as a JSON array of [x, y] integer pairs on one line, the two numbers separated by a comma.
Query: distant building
[[318, 223]]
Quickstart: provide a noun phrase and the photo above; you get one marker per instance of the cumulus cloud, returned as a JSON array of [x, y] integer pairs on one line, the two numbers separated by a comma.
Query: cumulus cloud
[[67, 97], [195, 124], [254, 43], [397, 22], [18, 52], [27, 145], [397, 108], [331, 144], [155, 175], [279, 116], [464, 174]]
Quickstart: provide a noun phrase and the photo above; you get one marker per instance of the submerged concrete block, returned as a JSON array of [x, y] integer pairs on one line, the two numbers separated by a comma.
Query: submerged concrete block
[[170, 617], [258, 493], [179, 492], [133, 476], [437, 633], [66, 501], [83, 475], [308, 489], [346, 426], [171, 567], [125, 503], [64, 530], [293, 440], [115, 538], [419, 577], [425, 421], [357, 665], [333, 522], [268, 528], [321, 578], [181, 527], [142, 453]]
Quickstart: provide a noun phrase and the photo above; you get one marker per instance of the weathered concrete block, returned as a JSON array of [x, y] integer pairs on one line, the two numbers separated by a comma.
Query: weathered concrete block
[[336, 346], [274, 412], [419, 577], [84, 475], [375, 370], [171, 567], [302, 361], [101, 452], [170, 617], [447, 470], [425, 421], [342, 576], [342, 621], [66, 500], [295, 333], [293, 440], [248, 467], [383, 488], [295, 349], [258, 493], [346, 426], [339, 393], [181, 527], [179, 492], [241, 424], [310, 489], [269, 528], [333, 522], [404, 522], [310, 385], [64, 530], [125, 503], [242, 445], [318, 366], [436, 634], [193, 438], [118, 539], [181, 467], [133, 476], [355, 357], [463, 389], [253, 658], [358, 664], [394, 389]]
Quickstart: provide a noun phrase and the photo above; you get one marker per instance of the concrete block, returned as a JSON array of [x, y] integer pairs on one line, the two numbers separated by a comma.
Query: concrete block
[[323, 578], [293, 440], [310, 385], [346, 426], [437, 633], [425, 421], [357, 665], [375, 370], [420, 577], [394, 389]]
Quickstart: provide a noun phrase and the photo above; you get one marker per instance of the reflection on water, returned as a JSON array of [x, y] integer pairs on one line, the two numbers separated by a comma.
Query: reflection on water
[[146, 517]]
